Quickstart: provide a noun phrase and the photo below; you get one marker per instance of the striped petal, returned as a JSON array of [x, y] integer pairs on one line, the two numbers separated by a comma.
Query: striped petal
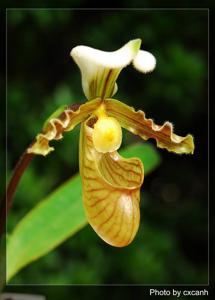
[[111, 191], [137, 123], [62, 120], [100, 69]]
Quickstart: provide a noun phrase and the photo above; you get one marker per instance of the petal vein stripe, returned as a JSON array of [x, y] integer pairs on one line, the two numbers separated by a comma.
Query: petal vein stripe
[[111, 191], [137, 123]]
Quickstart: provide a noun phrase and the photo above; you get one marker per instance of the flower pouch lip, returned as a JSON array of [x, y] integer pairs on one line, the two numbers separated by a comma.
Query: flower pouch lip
[[111, 183]]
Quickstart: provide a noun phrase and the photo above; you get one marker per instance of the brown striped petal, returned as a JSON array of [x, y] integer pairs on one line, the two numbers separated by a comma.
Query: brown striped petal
[[137, 123], [111, 191], [60, 122]]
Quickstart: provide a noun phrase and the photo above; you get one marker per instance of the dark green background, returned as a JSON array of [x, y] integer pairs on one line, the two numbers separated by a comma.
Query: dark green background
[[171, 245]]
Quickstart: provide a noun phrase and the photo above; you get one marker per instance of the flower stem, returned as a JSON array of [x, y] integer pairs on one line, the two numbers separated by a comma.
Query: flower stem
[[11, 188]]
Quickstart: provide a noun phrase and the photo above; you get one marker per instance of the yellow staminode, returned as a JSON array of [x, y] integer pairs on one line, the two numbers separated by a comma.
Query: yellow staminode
[[107, 134]]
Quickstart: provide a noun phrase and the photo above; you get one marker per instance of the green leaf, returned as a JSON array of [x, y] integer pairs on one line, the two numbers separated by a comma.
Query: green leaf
[[59, 216], [2, 262]]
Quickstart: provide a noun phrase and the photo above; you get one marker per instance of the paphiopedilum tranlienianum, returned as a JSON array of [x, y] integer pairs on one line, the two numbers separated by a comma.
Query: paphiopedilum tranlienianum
[[111, 183]]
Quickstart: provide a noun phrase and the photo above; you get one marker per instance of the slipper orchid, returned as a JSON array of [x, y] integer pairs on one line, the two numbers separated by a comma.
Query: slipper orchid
[[111, 183]]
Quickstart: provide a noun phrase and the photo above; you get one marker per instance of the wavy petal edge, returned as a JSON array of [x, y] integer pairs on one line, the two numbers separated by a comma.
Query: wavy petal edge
[[137, 123], [55, 127]]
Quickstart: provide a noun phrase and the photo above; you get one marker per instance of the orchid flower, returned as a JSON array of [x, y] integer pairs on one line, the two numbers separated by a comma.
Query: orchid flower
[[111, 183]]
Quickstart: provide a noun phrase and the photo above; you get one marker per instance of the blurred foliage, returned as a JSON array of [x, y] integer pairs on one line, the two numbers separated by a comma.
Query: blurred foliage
[[171, 245]]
